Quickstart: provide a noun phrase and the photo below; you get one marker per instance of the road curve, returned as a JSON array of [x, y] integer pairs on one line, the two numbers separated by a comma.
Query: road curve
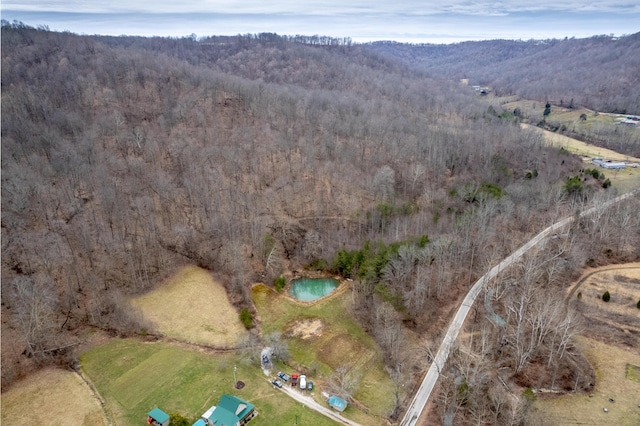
[[422, 395]]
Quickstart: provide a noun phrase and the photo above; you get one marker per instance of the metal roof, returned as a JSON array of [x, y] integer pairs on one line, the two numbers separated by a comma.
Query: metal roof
[[158, 415], [337, 403]]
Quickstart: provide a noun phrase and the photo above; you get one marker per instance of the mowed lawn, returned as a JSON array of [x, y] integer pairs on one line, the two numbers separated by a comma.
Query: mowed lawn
[[191, 306], [133, 377], [340, 341], [51, 397]]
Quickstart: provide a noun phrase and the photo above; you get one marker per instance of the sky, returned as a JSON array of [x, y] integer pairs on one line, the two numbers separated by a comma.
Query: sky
[[412, 21]]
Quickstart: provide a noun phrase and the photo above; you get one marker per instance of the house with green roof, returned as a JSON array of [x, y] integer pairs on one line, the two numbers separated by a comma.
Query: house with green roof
[[230, 411]]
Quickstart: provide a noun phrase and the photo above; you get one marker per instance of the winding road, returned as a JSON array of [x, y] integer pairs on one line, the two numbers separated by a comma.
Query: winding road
[[428, 383]]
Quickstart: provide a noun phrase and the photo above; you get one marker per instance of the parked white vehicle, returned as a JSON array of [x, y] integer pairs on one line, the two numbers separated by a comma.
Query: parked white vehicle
[[303, 382]]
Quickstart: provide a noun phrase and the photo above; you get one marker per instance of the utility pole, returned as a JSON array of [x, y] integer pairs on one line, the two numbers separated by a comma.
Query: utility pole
[[235, 381]]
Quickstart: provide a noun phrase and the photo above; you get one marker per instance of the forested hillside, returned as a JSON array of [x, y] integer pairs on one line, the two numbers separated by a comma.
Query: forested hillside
[[125, 157], [600, 72]]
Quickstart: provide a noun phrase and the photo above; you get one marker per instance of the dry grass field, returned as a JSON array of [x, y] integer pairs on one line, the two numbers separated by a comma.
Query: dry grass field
[[617, 321], [612, 381], [624, 180], [613, 331], [191, 306], [51, 397]]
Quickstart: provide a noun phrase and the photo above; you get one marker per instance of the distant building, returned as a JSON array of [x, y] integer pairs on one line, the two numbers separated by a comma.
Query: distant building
[[337, 403], [157, 417], [608, 164], [230, 411], [633, 120]]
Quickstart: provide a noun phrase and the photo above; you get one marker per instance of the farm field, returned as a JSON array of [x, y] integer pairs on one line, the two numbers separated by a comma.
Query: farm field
[[51, 396], [192, 307], [624, 180], [133, 377], [610, 344], [323, 336]]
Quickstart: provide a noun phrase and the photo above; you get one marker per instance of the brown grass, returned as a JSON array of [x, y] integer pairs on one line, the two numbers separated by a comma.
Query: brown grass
[[624, 180], [614, 322], [193, 307], [51, 396], [610, 364], [618, 319]]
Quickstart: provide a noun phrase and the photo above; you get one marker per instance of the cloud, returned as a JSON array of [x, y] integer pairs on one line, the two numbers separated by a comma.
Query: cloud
[[446, 21], [327, 7]]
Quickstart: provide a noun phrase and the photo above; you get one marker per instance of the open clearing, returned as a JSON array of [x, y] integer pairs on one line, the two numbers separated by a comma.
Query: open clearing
[[133, 377], [191, 306], [324, 336], [51, 396], [610, 364], [624, 180], [615, 322], [612, 348]]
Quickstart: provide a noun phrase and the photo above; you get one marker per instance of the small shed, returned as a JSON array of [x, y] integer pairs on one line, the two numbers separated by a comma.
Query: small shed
[[157, 417], [200, 422], [337, 403]]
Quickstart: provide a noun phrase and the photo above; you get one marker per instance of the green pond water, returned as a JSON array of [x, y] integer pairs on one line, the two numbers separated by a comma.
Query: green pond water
[[309, 289]]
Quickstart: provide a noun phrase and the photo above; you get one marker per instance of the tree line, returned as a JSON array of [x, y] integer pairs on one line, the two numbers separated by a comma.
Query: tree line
[[125, 157], [597, 72]]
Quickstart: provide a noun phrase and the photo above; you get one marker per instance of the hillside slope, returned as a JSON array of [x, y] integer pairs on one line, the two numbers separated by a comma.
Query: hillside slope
[[125, 158], [600, 72]]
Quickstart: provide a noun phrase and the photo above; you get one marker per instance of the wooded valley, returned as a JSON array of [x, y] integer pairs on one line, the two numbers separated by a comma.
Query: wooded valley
[[125, 157], [599, 72]]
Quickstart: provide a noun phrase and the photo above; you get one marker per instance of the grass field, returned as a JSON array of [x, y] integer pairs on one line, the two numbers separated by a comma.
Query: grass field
[[615, 366], [611, 382], [338, 341], [191, 306], [624, 180], [51, 396], [133, 377], [618, 320]]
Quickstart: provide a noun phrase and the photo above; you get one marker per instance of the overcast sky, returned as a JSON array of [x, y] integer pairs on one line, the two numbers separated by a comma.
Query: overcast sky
[[430, 21]]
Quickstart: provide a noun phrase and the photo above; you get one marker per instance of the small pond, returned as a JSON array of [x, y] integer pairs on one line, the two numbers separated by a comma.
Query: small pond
[[309, 289]]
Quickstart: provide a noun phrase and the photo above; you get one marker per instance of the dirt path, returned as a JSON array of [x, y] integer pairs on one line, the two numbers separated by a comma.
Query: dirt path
[[312, 404], [597, 271], [423, 393]]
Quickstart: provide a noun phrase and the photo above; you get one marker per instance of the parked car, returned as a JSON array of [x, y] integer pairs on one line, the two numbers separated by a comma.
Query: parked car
[[294, 379], [277, 383], [303, 382], [310, 385], [283, 376]]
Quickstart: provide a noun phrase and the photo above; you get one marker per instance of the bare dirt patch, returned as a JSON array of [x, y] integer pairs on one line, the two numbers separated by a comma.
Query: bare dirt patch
[[51, 396], [193, 307], [306, 329]]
